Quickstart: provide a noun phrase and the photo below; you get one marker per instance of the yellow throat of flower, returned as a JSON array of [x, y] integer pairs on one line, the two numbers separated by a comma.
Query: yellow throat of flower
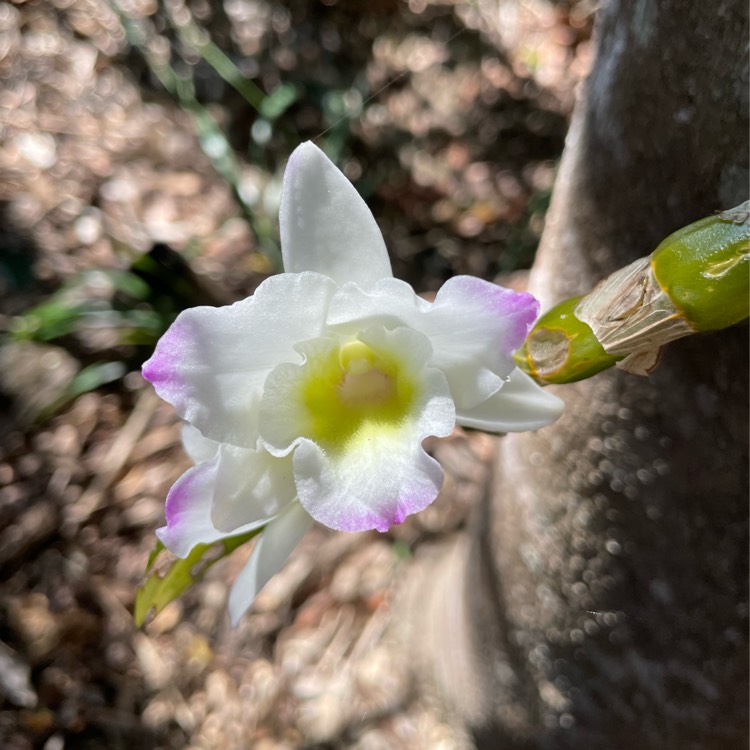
[[354, 391]]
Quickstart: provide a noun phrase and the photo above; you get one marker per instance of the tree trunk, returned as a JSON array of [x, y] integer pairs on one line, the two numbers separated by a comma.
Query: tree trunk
[[606, 583]]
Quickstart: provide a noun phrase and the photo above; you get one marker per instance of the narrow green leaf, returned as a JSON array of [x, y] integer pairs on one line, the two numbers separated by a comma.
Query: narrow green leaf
[[279, 100], [197, 38], [88, 379], [159, 590], [93, 376], [58, 316]]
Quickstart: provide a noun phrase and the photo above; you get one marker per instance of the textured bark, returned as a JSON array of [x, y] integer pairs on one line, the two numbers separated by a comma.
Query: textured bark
[[606, 600]]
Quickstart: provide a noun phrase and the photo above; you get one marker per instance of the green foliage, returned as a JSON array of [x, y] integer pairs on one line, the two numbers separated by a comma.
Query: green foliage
[[133, 307], [401, 550], [279, 101], [85, 380], [197, 38], [158, 590], [214, 143], [137, 304]]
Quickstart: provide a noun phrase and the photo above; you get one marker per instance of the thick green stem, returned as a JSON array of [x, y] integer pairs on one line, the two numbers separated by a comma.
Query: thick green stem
[[696, 280]]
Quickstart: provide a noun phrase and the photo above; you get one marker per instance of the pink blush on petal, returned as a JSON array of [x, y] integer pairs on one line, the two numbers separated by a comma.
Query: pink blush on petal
[[162, 369], [518, 310]]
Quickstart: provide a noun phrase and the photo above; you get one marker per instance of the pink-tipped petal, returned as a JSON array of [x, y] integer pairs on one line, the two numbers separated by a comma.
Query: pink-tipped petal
[[474, 327], [212, 362], [374, 486], [189, 510], [223, 488], [486, 307]]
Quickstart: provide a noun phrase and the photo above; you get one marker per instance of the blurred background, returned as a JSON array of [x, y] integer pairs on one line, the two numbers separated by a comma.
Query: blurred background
[[142, 144]]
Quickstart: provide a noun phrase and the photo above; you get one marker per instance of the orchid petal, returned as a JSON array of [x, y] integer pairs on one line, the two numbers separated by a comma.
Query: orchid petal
[[235, 491], [325, 225], [474, 327], [271, 551], [251, 486], [196, 445], [189, 510], [518, 406], [375, 485], [212, 362]]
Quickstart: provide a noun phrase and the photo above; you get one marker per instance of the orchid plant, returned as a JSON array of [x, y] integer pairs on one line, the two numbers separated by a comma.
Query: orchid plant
[[310, 400]]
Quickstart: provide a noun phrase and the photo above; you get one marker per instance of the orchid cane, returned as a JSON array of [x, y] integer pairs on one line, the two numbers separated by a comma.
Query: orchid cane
[[696, 280], [310, 400]]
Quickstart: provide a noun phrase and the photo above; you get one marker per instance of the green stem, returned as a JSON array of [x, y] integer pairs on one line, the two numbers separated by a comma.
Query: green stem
[[696, 280]]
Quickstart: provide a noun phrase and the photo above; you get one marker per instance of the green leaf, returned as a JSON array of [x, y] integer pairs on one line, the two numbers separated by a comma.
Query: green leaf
[[50, 320], [159, 590], [93, 376], [279, 100], [88, 379], [127, 282]]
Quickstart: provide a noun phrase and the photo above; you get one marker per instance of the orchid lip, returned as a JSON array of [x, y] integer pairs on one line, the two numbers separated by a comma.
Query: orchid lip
[[343, 391]]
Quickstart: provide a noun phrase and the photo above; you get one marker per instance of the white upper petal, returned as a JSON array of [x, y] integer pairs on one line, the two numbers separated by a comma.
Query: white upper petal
[[325, 225], [474, 327], [271, 551], [518, 406], [212, 362]]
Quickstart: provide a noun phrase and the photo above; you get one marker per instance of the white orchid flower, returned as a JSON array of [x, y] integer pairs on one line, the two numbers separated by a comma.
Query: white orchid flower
[[310, 399]]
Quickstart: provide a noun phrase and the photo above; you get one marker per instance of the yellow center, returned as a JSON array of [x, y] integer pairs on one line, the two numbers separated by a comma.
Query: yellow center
[[352, 392]]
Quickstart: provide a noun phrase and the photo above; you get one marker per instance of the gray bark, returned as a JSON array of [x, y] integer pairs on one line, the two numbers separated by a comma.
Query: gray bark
[[606, 583]]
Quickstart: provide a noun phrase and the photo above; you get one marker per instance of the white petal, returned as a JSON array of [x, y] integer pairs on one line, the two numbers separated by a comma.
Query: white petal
[[474, 327], [198, 447], [212, 362], [220, 486], [189, 510], [374, 485], [518, 406], [251, 486], [325, 225], [283, 412], [271, 551], [390, 300]]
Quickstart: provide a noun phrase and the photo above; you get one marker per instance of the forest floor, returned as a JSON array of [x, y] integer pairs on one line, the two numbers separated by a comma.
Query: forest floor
[[450, 118]]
